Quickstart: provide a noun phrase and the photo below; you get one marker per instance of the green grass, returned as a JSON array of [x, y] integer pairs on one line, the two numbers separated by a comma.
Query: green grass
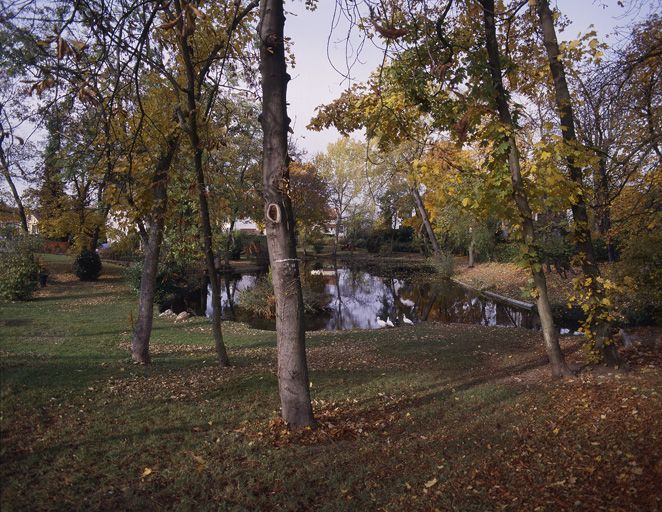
[[467, 410]]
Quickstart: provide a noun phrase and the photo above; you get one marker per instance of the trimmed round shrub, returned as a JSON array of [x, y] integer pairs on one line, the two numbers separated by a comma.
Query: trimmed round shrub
[[87, 266], [19, 275]]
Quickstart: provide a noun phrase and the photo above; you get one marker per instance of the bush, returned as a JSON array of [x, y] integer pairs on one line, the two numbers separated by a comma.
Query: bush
[[171, 279], [126, 248], [507, 253], [373, 244], [405, 247], [261, 301], [443, 264], [236, 248], [19, 272], [87, 266], [318, 246], [640, 265]]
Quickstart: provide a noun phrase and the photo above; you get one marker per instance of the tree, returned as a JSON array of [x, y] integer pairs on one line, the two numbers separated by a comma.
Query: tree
[[342, 167], [510, 150], [152, 238], [310, 199], [597, 326], [293, 383], [395, 122]]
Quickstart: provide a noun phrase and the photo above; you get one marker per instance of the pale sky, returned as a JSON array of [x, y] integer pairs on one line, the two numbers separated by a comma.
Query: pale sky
[[315, 81]]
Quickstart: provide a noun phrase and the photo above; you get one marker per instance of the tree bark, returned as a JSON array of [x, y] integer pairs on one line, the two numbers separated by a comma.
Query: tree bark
[[550, 334], [420, 206], [293, 384], [152, 248], [582, 230], [471, 252]]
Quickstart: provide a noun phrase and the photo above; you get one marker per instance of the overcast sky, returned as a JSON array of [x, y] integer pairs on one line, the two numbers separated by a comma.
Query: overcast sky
[[315, 81]]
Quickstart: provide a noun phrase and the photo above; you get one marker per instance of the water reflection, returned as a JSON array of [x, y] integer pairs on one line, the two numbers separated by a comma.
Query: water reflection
[[357, 299]]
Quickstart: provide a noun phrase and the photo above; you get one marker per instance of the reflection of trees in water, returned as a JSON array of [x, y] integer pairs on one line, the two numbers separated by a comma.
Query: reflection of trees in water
[[355, 299]]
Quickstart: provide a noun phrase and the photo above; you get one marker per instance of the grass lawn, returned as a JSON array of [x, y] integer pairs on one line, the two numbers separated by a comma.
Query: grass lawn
[[417, 418]]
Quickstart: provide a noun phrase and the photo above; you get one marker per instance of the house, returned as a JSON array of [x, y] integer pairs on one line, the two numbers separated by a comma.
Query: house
[[247, 226], [33, 224], [329, 227]]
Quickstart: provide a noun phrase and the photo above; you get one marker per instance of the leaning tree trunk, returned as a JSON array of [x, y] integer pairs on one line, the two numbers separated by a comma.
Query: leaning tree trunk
[[152, 248], [556, 359], [582, 230], [205, 222], [425, 219], [293, 384], [14, 192]]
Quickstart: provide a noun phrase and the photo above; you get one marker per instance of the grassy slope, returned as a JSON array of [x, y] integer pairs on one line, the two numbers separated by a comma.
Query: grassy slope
[[447, 417]]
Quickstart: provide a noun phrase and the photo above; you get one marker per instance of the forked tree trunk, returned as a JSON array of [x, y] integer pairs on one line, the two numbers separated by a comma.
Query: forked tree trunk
[[293, 384], [425, 219], [152, 248], [582, 230], [556, 359]]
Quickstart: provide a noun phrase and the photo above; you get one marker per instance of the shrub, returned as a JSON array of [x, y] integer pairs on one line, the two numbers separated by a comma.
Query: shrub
[[87, 266], [172, 278], [19, 273], [507, 253], [640, 266], [443, 264], [373, 244], [261, 301], [124, 249]]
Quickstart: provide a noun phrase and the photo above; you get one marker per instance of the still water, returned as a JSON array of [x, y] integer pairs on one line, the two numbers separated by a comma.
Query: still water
[[358, 299]]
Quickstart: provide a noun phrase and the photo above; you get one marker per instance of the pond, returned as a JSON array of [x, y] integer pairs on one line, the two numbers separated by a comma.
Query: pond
[[359, 299]]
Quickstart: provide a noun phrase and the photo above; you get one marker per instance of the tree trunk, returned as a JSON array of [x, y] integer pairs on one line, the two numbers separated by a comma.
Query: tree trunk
[[293, 384], [337, 234], [471, 252], [420, 206], [152, 248], [229, 242], [556, 359], [582, 230], [205, 222], [603, 212], [17, 198]]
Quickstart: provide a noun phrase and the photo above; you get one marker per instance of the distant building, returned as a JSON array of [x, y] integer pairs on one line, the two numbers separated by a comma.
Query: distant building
[[247, 226], [329, 227], [33, 224]]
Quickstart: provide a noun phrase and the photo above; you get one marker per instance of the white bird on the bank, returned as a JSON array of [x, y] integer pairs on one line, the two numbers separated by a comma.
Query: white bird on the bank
[[406, 320], [388, 322], [381, 322]]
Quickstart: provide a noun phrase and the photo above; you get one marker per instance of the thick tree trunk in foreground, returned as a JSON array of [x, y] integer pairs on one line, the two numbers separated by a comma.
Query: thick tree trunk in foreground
[[582, 230], [293, 382], [556, 359], [152, 248], [420, 206]]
